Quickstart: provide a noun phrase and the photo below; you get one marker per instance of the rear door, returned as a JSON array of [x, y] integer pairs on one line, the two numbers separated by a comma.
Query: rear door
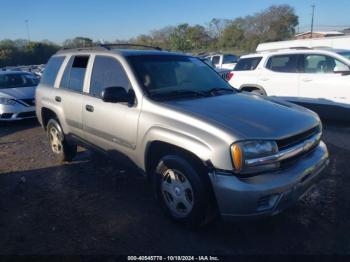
[[111, 126], [70, 96], [321, 82], [280, 76]]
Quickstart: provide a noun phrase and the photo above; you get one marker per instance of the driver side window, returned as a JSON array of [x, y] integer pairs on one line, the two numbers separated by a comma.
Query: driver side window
[[107, 72], [322, 64]]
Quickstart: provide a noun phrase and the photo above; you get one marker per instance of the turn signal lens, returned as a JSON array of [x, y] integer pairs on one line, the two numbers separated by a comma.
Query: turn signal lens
[[237, 157]]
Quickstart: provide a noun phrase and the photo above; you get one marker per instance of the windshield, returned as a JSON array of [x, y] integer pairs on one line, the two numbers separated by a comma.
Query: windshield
[[14, 80], [346, 54], [172, 76]]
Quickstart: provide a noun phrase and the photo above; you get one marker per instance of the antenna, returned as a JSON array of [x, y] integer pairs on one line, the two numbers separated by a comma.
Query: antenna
[[27, 26], [312, 20]]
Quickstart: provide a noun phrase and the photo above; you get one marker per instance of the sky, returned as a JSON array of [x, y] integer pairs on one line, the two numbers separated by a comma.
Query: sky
[[57, 20]]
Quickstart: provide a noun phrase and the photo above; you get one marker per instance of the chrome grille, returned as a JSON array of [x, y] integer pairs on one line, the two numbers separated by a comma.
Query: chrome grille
[[296, 139], [27, 102]]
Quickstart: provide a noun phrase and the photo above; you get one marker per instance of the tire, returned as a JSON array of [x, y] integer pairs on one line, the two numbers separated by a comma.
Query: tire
[[258, 92], [59, 146], [183, 191]]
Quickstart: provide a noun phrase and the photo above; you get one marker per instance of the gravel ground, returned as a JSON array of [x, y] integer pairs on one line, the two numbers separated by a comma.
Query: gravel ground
[[98, 206]]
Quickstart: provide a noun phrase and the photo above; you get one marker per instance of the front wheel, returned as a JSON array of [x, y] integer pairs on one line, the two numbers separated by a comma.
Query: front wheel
[[59, 146], [183, 190]]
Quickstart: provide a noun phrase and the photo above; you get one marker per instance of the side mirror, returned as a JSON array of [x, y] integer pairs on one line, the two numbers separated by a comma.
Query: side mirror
[[117, 94], [342, 69]]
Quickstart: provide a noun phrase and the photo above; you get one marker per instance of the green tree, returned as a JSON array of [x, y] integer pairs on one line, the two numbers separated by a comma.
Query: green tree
[[179, 38], [232, 37], [78, 42]]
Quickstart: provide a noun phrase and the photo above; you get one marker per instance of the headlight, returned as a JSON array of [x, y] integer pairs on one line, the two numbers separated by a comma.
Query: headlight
[[247, 150], [7, 101]]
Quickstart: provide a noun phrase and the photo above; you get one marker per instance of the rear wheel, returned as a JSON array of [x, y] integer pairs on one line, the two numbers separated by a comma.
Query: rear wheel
[[183, 190], [59, 146]]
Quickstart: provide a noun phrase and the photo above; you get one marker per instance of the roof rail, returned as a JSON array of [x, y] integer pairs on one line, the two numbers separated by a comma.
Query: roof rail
[[107, 47], [300, 47], [284, 49], [81, 48], [110, 46]]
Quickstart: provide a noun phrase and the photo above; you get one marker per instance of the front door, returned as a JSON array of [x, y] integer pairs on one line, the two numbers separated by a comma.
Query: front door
[[321, 82], [110, 126]]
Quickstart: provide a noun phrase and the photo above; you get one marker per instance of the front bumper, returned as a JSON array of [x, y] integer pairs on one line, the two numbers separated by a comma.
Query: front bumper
[[16, 112], [269, 193]]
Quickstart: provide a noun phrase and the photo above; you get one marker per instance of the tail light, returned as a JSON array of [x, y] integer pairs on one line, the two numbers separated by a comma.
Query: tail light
[[229, 76]]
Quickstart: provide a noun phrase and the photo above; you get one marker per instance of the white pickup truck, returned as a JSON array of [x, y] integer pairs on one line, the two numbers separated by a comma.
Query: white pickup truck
[[223, 61]]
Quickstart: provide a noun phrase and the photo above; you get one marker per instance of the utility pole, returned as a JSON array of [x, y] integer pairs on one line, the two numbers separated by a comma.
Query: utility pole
[[312, 20], [27, 26]]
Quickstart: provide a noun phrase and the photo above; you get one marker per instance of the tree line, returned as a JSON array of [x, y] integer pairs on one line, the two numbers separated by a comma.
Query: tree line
[[243, 34]]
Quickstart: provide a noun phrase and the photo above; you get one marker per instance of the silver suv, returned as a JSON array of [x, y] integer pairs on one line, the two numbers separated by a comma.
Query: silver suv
[[207, 148]]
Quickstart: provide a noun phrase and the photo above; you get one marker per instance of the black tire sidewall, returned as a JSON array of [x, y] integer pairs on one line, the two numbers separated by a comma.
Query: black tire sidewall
[[198, 183], [259, 92]]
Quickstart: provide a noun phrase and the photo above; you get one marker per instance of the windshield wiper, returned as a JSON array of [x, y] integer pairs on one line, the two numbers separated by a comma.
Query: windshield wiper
[[181, 93], [220, 90]]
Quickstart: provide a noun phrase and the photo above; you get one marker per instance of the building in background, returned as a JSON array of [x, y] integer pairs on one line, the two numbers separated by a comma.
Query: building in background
[[319, 34]]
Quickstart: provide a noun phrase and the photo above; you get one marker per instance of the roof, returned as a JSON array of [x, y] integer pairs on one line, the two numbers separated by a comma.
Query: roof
[[291, 51], [122, 52], [333, 33]]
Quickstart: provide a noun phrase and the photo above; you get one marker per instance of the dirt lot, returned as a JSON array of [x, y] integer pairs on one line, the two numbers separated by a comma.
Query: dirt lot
[[96, 206]]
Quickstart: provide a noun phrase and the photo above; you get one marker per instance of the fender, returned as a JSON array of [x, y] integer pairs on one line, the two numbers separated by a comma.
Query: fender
[[185, 141]]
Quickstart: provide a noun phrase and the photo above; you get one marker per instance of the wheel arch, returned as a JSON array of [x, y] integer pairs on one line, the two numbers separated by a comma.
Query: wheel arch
[[46, 115], [158, 148], [251, 87]]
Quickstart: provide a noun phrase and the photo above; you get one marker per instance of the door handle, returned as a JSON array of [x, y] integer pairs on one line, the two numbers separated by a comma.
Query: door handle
[[306, 80], [264, 79], [89, 108], [58, 98]]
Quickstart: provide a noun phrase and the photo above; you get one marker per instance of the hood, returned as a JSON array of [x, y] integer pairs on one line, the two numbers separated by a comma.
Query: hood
[[19, 92], [249, 116]]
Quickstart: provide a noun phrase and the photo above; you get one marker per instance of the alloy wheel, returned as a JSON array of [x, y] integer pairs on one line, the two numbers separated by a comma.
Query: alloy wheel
[[177, 193]]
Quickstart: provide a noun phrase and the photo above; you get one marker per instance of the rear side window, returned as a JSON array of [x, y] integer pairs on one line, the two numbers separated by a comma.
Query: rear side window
[[51, 70], [74, 74], [107, 72], [247, 64], [283, 63]]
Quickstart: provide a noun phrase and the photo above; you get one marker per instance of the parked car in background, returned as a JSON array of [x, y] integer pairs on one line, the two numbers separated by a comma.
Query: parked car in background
[[342, 52], [37, 70], [17, 95], [205, 147], [345, 53], [298, 75], [336, 42], [223, 61], [226, 74]]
